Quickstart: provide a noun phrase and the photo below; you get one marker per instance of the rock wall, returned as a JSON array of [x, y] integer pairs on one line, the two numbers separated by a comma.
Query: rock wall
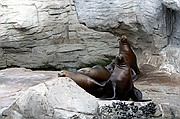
[[43, 32], [151, 26], [67, 33]]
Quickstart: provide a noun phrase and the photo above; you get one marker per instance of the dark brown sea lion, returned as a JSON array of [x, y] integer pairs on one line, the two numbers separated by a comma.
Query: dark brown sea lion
[[128, 54], [85, 82], [120, 85], [97, 72]]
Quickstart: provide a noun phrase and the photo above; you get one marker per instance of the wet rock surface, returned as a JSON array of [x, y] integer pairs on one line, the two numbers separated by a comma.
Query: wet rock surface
[[163, 88], [14, 81]]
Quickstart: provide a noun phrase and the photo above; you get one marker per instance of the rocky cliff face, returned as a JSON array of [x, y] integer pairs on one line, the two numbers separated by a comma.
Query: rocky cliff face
[[151, 26], [43, 32], [67, 33]]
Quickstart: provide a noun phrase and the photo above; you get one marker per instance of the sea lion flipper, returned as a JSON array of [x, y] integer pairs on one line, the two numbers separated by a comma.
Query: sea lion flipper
[[137, 96], [134, 75], [114, 92], [137, 93]]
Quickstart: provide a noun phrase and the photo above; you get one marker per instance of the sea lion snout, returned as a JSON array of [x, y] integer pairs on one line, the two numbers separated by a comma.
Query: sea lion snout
[[61, 73], [123, 39]]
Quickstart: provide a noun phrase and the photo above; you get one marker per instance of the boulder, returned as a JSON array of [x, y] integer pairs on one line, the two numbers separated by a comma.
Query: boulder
[[59, 98]]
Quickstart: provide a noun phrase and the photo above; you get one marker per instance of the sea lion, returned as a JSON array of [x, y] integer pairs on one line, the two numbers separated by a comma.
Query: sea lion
[[85, 82], [128, 54], [120, 85], [97, 72]]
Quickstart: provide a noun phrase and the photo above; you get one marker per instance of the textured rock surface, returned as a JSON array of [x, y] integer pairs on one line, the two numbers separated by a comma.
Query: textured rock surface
[[14, 81], [173, 4], [142, 20], [161, 87], [151, 26], [57, 99], [44, 32]]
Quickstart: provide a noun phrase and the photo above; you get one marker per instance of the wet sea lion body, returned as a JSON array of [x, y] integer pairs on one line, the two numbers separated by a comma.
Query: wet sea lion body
[[85, 82], [97, 72], [128, 54], [120, 85]]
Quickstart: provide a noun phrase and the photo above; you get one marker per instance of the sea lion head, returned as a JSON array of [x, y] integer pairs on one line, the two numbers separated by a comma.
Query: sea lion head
[[119, 60], [84, 70], [62, 73], [123, 39]]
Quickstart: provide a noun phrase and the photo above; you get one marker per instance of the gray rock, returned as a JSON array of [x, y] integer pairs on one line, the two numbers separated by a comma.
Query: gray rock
[[173, 4], [31, 29], [150, 25], [14, 81], [58, 98]]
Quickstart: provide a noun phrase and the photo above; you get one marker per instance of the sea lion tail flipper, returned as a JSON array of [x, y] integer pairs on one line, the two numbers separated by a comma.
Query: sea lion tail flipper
[[137, 93], [114, 92], [137, 96]]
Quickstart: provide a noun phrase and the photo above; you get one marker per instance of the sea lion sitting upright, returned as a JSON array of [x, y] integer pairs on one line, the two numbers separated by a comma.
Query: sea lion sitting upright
[[85, 82], [97, 72], [128, 54], [120, 85]]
